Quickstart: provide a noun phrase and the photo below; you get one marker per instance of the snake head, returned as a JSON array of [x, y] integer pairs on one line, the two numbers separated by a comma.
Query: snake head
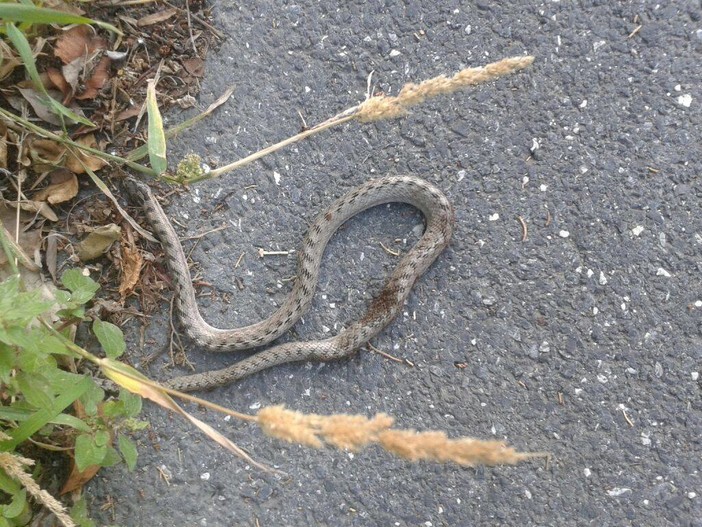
[[137, 190]]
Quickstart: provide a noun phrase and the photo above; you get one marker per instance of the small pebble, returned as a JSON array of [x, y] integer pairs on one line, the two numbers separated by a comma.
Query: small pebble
[[685, 100]]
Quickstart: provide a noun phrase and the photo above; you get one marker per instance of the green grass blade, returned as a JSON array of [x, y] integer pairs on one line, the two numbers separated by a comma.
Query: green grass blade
[[40, 15]]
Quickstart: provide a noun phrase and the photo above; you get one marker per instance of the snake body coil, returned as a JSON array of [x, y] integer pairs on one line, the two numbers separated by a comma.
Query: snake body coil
[[382, 310]]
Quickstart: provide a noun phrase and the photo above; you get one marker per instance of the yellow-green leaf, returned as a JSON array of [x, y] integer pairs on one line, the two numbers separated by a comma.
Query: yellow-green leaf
[[156, 140]]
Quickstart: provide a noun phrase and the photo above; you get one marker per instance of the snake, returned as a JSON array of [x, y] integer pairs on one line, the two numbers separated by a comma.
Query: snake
[[383, 308]]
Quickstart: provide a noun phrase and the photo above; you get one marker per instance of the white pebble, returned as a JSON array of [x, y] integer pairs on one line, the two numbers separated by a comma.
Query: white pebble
[[563, 234], [205, 476], [695, 375], [662, 272], [494, 217], [276, 177], [637, 230], [685, 100], [603, 279]]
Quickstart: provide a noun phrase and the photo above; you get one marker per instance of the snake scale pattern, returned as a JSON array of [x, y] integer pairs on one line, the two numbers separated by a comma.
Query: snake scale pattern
[[381, 311]]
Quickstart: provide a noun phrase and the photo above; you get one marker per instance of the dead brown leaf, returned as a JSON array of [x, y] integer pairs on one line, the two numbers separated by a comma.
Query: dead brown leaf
[[77, 42], [76, 479], [63, 187], [75, 163], [155, 18], [195, 66], [98, 241], [40, 105], [130, 112], [86, 69], [44, 154], [98, 78], [131, 268], [59, 81], [36, 207], [72, 72]]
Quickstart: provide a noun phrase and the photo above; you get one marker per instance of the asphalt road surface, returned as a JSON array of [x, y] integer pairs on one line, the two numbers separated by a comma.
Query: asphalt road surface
[[584, 340]]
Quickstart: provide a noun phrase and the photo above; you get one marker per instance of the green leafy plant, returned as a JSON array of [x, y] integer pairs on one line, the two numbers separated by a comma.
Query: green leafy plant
[[45, 403]]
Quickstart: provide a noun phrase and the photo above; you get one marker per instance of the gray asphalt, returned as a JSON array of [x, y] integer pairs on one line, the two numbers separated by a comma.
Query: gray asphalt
[[585, 340]]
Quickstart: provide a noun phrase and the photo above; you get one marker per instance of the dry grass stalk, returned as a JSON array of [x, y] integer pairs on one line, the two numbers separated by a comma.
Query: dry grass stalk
[[435, 446], [376, 108], [350, 432], [386, 107], [14, 465], [353, 432]]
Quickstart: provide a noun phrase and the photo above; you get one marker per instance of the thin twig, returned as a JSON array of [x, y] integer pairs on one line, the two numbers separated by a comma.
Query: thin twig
[[525, 231], [198, 236], [389, 251], [383, 353], [190, 25]]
